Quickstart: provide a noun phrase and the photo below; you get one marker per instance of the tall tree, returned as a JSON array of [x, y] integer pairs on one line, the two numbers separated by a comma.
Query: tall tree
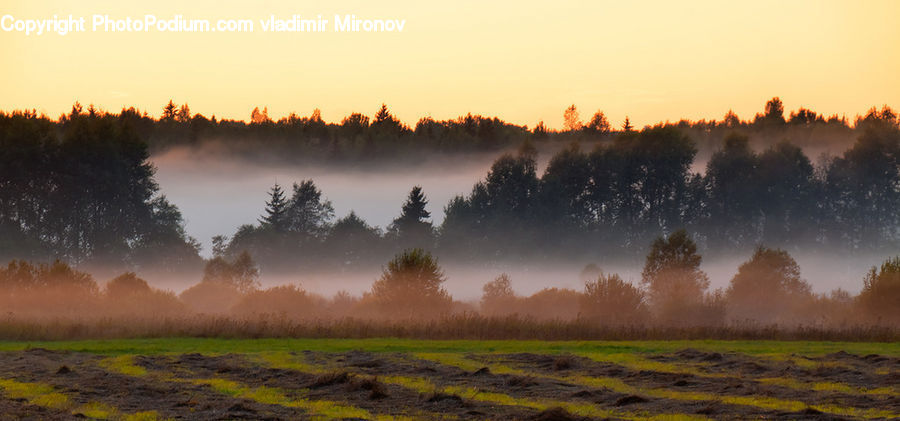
[[734, 193], [308, 213], [276, 211], [412, 228]]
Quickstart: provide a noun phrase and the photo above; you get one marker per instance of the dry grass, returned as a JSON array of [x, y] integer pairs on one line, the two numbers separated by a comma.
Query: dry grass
[[460, 326]]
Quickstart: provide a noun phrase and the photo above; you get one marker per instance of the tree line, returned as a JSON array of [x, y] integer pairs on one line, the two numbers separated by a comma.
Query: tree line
[[81, 189], [382, 136], [612, 201]]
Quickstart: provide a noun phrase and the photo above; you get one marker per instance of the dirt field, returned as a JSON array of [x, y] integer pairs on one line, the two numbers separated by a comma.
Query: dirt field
[[689, 383]]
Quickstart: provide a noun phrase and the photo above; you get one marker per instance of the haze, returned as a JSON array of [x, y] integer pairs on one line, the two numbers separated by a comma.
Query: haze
[[218, 193]]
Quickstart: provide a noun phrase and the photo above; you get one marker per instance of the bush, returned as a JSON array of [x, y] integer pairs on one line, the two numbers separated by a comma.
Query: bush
[[241, 273], [129, 295], [672, 274], [880, 296], [768, 288], [54, 289], [211, 297], [410, 287], [552, 304], [611, 300], [287, 300], [498, 297]]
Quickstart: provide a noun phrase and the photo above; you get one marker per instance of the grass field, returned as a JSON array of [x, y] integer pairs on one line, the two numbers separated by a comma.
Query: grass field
[[146, 379]]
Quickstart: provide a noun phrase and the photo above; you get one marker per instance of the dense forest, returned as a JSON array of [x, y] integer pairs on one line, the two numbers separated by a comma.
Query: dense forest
[[81, 188]]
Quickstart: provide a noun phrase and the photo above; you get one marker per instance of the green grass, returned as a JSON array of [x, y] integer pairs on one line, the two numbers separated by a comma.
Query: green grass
[[123, 364], [36, 393], [219, 346]]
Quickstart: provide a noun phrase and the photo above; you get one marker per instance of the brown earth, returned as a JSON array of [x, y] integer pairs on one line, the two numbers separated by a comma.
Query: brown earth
[[355, 379]]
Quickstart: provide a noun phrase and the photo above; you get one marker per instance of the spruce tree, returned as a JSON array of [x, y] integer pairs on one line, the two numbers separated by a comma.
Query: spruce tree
[[412, 225], [276, 210]]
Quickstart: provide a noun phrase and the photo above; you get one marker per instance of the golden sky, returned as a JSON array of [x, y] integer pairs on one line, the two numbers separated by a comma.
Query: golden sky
[[520, 60]]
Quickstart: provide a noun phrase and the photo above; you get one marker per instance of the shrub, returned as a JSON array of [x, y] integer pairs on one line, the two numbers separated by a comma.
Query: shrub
[[211, 297], [130, 295], [673, 278], [498, 296], [552, 304], [241, 273], [54, 289], [880, 296], [768, 288], [611, 300], [410, 286], [288, 300]]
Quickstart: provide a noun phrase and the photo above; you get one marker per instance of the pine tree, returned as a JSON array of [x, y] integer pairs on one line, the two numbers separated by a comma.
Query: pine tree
[[412, 225], [383, 115], [276, 210], [169, 111], [414, 208], [627, 126]]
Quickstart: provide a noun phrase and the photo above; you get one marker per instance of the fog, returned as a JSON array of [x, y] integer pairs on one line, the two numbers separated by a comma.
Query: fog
[[216, 194]]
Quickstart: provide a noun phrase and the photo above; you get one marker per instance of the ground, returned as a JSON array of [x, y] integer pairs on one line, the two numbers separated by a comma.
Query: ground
[[205, 379]]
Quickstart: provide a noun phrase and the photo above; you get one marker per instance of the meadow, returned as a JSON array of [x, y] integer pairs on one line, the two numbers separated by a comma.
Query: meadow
[[393, 379]]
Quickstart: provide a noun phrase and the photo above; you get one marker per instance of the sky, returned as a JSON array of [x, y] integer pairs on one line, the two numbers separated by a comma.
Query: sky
[[522, 61]]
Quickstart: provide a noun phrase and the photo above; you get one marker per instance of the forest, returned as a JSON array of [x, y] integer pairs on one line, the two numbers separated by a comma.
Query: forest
[[81, 189], [78, 193]]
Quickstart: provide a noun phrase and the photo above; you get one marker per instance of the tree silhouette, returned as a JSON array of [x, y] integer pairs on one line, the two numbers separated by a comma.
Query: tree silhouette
[[571, 120], [276, 217], [412, 227], [170, 112], [308, 213], [733, 192], [599, 124]]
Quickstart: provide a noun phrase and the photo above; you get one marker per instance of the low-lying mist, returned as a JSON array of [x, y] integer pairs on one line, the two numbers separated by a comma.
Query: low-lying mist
[[218, 192]]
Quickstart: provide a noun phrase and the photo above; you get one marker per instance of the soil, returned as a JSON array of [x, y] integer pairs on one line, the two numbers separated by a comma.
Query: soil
[[353, 379]]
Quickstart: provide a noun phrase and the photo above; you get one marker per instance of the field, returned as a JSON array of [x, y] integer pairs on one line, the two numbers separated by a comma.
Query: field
[[387, 379]]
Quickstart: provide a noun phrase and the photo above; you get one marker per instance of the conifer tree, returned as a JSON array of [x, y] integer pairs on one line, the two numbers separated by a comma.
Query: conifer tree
[[276, 210]]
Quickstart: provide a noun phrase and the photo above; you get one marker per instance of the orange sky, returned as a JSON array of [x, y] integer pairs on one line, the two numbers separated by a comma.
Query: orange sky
[[523, 62]]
